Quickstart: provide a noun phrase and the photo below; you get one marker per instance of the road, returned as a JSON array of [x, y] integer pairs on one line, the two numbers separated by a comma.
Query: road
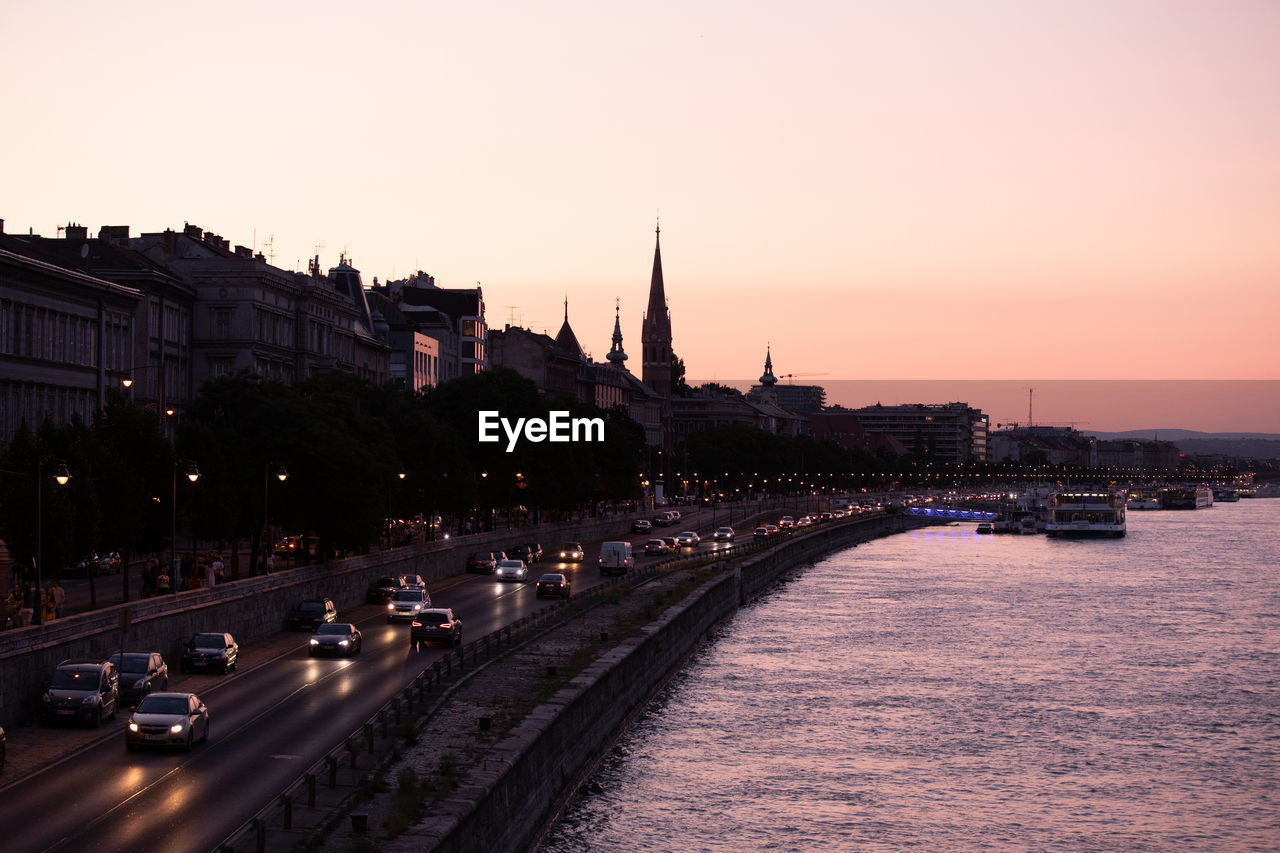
[[269, 721]]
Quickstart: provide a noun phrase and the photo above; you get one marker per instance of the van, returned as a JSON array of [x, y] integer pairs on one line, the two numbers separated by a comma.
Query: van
[[616, 558]]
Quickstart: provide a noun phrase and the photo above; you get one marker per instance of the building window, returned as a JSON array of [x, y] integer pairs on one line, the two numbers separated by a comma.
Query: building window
[[222, 322]]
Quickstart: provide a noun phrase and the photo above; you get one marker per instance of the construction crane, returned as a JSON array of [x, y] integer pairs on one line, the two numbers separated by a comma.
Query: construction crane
[[794, 375]]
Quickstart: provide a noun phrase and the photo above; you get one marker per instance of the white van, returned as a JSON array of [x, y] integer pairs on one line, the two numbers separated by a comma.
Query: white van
[[616, 558]]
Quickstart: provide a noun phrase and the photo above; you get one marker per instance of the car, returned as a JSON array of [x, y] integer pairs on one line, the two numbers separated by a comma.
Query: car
[[292, 546], [760, 533], [484, 562], [804, 521], [773, 530], [524, 553], [141, 673], [407, 604], [641, 525], [168, 719], [381, 589], [335, 638], [210, 650], [553, 586], [83, 690], [723, 534], [511, 570], [786, 523], [312, 613], [437, 625], [688, 539], [655, 546], [571, 552], [671, 542], [826, 516], [413, 582], [616, 558]]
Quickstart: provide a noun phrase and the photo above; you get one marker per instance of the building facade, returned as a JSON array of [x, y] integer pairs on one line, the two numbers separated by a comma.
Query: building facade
[[949, 432]]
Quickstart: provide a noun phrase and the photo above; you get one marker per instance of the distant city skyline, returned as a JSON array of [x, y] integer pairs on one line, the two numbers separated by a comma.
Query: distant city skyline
[[878, 191]]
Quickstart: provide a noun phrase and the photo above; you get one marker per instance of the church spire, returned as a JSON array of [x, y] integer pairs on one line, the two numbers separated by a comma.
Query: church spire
[[616, 354], [655, 335], [566, 339], [768, 380]]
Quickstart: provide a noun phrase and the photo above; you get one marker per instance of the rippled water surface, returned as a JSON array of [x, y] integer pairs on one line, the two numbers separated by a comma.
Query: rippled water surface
[[940, 690]]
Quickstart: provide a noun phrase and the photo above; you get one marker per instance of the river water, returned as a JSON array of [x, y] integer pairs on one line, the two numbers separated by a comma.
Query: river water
[[940, 690]]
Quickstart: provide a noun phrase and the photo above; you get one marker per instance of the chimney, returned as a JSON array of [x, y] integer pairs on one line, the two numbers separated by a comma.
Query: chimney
[[77, 232], [113, 232], [244, 252], [192, 231]]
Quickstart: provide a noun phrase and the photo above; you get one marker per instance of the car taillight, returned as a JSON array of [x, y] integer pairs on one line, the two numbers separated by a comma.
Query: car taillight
[[415, 624]]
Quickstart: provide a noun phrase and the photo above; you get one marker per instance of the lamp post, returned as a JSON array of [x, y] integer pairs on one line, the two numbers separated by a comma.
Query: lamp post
[[61, 476], [193, 474], [281, 475], [400, 475]]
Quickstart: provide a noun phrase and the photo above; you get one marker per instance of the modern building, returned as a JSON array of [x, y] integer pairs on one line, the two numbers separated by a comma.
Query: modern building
[[453, 316], [949, 432]]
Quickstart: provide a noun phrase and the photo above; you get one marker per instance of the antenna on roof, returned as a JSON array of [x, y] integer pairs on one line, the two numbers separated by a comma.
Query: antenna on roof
[[269, 248]]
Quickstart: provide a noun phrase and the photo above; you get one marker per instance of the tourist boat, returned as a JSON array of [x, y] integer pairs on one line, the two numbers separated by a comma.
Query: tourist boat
[[1187, 497], [985, 527], [1086, 514], [1226, 495], [1148, 499]]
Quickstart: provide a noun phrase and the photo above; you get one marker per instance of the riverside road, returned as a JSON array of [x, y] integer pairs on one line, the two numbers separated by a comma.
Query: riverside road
[[271, 719]]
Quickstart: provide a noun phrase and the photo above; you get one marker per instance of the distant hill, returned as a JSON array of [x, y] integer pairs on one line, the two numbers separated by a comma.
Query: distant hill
[[1255, 445]]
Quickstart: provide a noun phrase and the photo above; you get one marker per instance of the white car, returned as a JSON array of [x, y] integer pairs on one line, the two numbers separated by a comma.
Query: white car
[[688, 539], [407, 604], [168, 719], [511, 570]]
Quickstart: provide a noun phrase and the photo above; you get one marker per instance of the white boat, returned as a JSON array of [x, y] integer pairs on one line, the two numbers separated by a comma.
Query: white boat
[[1143, 500], [1187, 497], [1087, 514]]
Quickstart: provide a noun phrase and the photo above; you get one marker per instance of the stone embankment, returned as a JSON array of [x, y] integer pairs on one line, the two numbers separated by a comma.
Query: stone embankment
[[492, 770]]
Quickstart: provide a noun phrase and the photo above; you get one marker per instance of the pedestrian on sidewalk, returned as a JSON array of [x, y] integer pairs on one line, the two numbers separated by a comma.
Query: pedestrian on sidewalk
[[216, 570], [59, 598], [47, 607], [29, 600], [162, 581]]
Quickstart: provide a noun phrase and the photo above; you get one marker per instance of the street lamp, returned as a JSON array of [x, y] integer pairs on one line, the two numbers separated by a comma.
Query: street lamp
[[281, 475], [400, 475], [193, 474], [61, 476]]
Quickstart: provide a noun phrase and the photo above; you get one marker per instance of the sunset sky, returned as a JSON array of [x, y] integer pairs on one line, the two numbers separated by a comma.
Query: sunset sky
[[876, 190]]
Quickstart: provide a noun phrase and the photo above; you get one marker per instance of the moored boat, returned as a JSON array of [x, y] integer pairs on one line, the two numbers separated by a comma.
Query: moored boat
[[1087, 514], [1187, 497]]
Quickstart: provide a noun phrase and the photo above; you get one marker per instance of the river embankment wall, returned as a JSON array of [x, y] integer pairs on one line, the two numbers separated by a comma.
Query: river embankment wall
[[249, 608], [507, 802]]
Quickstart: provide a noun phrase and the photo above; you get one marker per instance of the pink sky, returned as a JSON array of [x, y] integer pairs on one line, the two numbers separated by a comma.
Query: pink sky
[[878, 190]]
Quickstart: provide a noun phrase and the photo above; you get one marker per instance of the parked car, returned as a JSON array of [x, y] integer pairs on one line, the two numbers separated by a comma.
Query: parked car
[[553, 586], [210, 650], [484, 562], [571, 552], [297, 544], [413, 582], [511, 570], [641, 525], [381, 590], [407, 604], [312, 613], [168, 719], [688, 539], [141, 673], [655, 547], [723, 534], [335, 638], [435, 626], [83, 690]]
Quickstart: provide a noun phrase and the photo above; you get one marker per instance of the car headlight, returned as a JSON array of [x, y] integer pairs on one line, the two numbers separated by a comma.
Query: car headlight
[[391, 606], [314, 641], [417, 607], [133, 727], [176, 728], [344, 642]]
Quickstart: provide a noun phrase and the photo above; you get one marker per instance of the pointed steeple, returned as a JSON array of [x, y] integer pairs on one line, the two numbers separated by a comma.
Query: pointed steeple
[[566, 339], [768, 380], [655, 335], [616, 355]]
